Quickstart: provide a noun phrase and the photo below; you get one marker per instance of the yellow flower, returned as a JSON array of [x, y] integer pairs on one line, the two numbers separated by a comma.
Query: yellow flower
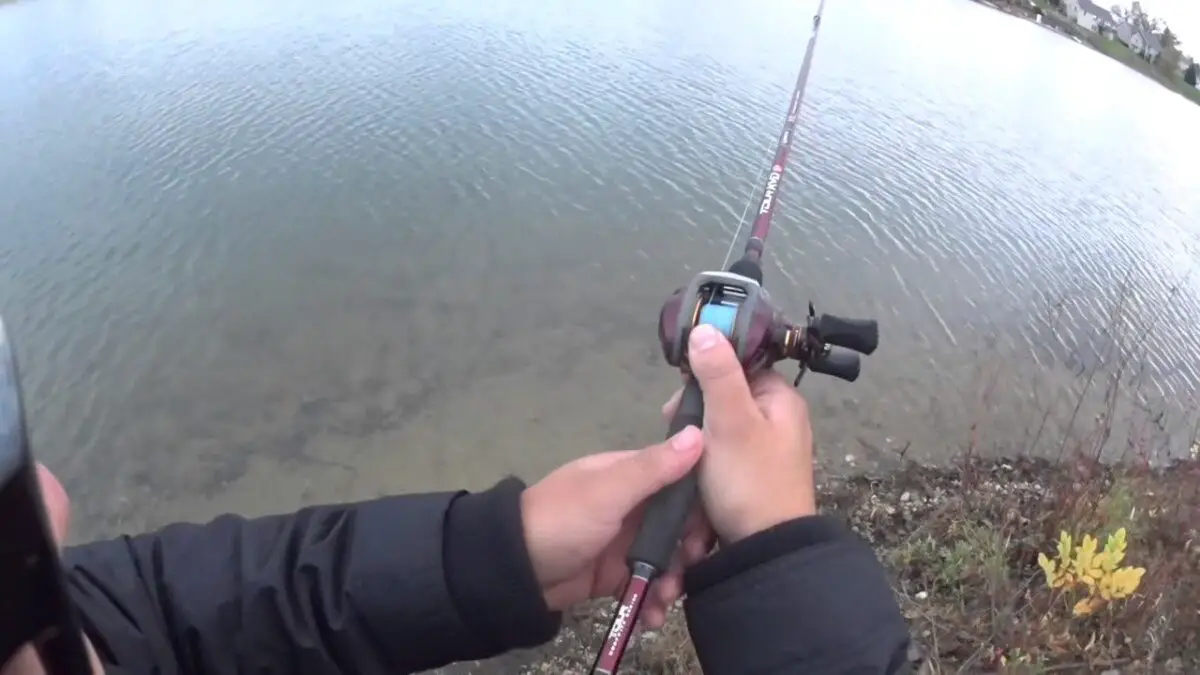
[[1064, 546], [1049, 568], [1126, 580], [1087, 605], [1084, 555], [1097, 570], [1114, 551]]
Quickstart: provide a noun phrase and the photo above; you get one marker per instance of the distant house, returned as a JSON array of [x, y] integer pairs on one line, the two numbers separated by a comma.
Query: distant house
[[1140, 41], [1088, 14], [1153, 46]]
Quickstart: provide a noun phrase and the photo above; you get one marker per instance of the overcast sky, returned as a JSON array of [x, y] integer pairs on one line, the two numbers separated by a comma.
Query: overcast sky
[[1183, 16]]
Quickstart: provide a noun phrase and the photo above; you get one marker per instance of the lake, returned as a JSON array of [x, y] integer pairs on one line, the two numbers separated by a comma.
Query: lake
[[257, 256]]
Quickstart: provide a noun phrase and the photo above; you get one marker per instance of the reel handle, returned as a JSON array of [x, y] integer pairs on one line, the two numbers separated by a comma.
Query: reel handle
[[861, 335], [840, 363]]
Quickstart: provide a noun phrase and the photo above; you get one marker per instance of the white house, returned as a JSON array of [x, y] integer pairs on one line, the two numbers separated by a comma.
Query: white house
[[1088, 14], [1140, 41]]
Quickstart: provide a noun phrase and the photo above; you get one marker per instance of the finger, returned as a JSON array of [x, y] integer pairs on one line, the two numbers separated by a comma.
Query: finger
[[603, 460], [697, 526], [778, 399], [769, 383], [727, 400], [56, 502], [626, 483], [698, 540], [668, 588], [668, 409], [58, 513], [653, 616]]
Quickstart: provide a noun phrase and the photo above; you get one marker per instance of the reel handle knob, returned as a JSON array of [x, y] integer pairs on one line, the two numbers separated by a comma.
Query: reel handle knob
[[840, 363], [861, 335]]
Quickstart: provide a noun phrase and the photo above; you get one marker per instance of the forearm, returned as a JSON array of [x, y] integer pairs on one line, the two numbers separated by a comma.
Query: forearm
[[379, 586], [806, 596]]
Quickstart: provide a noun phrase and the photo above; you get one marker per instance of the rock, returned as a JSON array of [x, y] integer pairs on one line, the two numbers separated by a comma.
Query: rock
[[849, 459], [922, 595], [905, 496], [1174, 665]]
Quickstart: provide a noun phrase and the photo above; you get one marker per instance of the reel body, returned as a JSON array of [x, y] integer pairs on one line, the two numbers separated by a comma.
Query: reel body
[[761, 335]]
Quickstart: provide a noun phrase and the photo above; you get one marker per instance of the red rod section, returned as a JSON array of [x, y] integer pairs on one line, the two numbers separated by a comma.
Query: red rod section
[[766, 205], [621, 629], [643, 573]]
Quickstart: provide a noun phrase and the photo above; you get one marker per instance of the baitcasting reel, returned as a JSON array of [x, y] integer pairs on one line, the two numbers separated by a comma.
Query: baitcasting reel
[[741, 309]]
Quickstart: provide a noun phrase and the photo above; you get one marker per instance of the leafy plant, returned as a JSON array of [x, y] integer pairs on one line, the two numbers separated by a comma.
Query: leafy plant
[[1097, 571]]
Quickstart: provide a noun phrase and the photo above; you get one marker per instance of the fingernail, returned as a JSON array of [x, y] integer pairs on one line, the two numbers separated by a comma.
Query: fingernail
[[703, 337], [686, 439]]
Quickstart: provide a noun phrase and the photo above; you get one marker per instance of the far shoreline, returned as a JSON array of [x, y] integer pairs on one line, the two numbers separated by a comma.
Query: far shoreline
[[1064, 27]]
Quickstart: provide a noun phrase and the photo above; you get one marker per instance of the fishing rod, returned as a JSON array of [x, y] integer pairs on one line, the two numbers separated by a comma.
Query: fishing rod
[[735, 302], [34, 606]]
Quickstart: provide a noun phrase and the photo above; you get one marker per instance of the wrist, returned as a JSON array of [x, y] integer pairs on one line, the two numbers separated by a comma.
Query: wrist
[[785, 538], [530, 535], [776, 513], [489, 569]]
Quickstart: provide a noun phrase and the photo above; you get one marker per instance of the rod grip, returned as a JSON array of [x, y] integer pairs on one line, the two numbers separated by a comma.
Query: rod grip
[[668, 509], [861, 335]]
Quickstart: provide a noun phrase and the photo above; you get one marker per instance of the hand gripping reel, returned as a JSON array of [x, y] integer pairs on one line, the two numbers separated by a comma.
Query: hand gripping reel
[[738, 306]]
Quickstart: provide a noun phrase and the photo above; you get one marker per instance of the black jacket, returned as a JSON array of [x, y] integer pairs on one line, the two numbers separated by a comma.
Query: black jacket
[[409, 583]]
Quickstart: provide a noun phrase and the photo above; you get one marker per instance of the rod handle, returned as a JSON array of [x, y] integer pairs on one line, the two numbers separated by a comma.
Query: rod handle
[[668, 509]]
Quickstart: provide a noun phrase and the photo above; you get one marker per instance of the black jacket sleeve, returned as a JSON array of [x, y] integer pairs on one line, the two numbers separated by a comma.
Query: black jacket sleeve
[[395, 585], [807, 596]]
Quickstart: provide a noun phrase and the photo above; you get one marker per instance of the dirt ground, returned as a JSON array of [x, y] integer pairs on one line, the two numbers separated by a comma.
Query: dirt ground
[[961, 544]]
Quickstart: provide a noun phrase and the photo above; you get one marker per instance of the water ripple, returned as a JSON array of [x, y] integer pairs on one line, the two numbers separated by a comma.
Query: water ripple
[[215, 215]]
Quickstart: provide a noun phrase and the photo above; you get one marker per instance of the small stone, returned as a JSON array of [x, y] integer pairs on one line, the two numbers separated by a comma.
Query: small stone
[[922, 595], [1174, 665], [849, 459], [905, 496]]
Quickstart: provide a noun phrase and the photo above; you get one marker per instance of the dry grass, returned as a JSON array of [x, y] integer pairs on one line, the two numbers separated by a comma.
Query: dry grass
[[961, 545]]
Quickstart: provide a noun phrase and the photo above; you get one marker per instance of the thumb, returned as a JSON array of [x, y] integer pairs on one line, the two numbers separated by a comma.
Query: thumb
[[56, 503], [636, 478], [728, 402]]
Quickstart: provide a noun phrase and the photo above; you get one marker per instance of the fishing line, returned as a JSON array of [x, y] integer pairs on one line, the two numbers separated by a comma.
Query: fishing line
[[750, 201]]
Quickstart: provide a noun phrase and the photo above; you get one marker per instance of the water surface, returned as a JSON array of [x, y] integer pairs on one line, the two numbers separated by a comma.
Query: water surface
[[256, 257]]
